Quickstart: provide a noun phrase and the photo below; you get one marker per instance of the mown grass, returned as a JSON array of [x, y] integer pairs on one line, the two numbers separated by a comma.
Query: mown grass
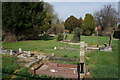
[[8, 66], [45, 46], [104, 64], [94, 40]]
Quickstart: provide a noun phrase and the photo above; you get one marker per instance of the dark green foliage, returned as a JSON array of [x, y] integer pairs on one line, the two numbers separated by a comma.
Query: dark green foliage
[[80, 21], [87, 33], [65, 56], [71, 23], [88, 24], [46, 37], [76, 36], [60, 37], [25, 20]]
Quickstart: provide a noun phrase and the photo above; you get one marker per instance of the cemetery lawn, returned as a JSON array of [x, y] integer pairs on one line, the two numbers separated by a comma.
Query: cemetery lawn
[[102, 64], [47, 46], [8, 66], [14, 71]]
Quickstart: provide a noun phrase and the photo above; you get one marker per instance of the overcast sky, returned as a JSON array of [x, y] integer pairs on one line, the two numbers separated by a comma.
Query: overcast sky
[[78, 9]]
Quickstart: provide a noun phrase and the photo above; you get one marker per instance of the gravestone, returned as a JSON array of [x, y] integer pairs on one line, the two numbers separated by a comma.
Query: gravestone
[[20, 50], [55, 48], [30, 54], [110, 41], [82, 51], [11, 52], [108, 47], [82, 63], [53, 54]]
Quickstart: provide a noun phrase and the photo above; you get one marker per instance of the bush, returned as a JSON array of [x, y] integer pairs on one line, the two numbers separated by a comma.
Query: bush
[[87, 33], [60, 37], [65, 56], [76, 36]]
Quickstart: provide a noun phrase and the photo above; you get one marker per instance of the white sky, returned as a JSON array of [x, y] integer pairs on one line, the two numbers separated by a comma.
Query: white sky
[[81, 0], [78, 9]]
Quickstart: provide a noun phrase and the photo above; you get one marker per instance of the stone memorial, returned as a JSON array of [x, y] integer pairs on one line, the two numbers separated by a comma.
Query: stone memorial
[[108, 47], [20, 50], [11, 52], [82, 63], [55, 48]]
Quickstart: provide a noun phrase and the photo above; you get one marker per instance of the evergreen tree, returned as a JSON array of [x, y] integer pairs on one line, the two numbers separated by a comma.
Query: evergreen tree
[[88, 24], [25, 19], [71, 23]]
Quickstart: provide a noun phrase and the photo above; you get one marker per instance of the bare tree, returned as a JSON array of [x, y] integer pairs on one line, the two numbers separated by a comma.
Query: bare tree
[[106, 17]]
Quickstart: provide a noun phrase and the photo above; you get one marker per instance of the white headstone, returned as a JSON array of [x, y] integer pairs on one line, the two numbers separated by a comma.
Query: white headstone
[[20, 50], [1, 47], [53, 54], [55, 48], [29, 52], [11, 52]]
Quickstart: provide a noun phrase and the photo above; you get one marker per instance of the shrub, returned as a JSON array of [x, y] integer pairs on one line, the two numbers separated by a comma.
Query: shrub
[[60, 37], [87, 33], [65, 56]]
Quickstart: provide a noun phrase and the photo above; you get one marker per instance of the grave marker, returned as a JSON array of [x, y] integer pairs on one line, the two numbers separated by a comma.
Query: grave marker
[[11, 52], [82, 63], [110, 41], [20, 50], [55, 48]]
